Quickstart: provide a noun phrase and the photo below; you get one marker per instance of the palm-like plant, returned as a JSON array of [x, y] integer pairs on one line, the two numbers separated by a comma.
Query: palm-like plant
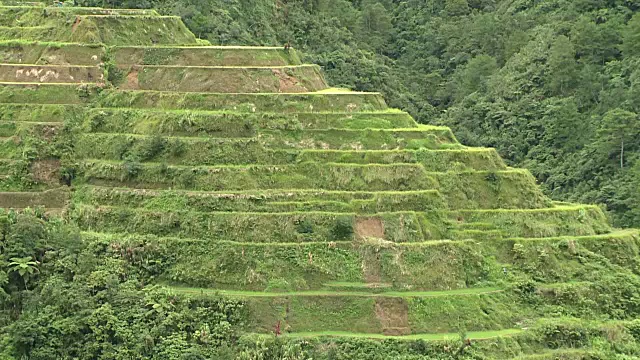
[[24, 266]]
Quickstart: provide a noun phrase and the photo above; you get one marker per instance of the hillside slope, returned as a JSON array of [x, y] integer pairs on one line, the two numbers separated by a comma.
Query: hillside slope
[[192, 201], [541, 81]]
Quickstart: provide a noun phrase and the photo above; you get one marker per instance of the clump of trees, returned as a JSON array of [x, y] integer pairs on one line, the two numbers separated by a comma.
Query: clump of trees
[[64, 298]]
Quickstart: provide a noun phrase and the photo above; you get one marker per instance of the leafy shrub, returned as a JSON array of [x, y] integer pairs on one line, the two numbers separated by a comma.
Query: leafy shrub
[[152, 147], [304, 226], [131, 170], [343, 229]]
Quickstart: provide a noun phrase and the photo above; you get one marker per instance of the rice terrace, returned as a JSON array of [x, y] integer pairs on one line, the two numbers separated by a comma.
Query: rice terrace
[[227, 202]]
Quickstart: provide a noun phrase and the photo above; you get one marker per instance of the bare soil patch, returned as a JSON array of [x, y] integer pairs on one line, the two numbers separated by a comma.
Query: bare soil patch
[[49, 132], [287, 83], [369, 227], [132, 80], [393, 315], [46, 171], [75, 24], [371, 268]]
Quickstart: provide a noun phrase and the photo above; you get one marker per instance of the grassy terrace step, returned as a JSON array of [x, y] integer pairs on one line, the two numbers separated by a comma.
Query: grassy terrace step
[[55, 198], [319, 226], [270, 149], [34, 33], [517, 343], [50, 53], [476, 234], [433, 160], [533, 223], [473, 335], [132, 30], [10, 128], [509, 189], [516, 188], [57, 53], [329, 293], [264, 102], [50, 73], [254, 266], [30, 113], [385, 313], [563, 354], [236, 124], [303, 176], [206, 56], [588, 300], [286, 79], [262, 201], [326, 139], [45, 94], [6, 166], [434, 265], [208, 123], [34, 16], [211, 153], [9, 147], [254, 227], [104, 29]]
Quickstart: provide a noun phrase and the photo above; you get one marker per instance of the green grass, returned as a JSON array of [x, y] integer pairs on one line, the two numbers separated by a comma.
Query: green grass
[[265, 201], [207, 56], [131, 30], [50, 53], [346, 177], [110, 29], [246, 227], [142, 99], [75, 74], [407, 294], [51, 199], [289, 79], [233, 123], [247, 145], [564, 354], [356, 285], [429, 266], [473, 335]]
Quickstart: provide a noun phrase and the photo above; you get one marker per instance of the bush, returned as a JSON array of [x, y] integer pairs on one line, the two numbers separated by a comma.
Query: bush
[[343, 229]]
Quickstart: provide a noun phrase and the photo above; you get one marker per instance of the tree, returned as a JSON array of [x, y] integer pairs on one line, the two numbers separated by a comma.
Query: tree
[[619, 126], [24, 266], [472, 77], [456, 7], [631, 37], [562, 65], [375, 26]]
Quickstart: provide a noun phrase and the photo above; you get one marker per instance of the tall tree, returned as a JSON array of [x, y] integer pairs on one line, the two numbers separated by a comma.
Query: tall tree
[[631, 37], [375, 25], [619, 127], [563, 69]]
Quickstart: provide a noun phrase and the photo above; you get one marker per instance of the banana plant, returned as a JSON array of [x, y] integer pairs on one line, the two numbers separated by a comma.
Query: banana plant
[[24, 266]]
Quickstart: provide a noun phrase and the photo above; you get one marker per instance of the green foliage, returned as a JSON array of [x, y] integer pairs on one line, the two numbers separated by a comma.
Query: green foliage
[[617, 127]]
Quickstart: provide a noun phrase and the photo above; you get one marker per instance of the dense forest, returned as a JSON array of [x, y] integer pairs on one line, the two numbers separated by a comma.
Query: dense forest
[[550, 84]]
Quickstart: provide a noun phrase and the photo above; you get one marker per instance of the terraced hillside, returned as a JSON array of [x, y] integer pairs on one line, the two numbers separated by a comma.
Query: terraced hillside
[[237, 172]]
